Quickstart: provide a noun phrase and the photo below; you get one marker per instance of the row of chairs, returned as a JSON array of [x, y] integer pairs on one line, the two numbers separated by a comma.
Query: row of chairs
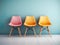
[[30, 21]]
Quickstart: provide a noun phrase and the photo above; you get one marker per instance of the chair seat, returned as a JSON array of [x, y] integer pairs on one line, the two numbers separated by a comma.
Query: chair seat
[[14, 24], [30, 24], [47, 24]]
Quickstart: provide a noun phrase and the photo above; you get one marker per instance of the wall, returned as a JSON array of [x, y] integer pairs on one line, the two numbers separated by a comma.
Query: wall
[[23, 8]]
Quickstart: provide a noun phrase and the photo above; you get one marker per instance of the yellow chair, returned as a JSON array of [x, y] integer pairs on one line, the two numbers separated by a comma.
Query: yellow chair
[[44, 21], [30, 22]]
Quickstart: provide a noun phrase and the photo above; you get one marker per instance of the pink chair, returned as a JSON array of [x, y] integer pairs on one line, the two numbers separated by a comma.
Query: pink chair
[[15, 22]]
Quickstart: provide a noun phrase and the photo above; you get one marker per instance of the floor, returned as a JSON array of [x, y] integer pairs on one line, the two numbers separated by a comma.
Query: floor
[[30, 40]]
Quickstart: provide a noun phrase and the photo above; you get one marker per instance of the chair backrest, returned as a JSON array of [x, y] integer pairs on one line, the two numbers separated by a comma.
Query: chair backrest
[[16, 20], [30, 20], [44, 20]]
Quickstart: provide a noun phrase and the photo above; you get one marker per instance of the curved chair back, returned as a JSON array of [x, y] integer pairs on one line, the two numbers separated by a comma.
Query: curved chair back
[[44, 21], [15, 21], [30, 21]]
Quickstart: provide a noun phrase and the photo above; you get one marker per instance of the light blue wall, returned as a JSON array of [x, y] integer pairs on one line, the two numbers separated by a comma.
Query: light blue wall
[[30, 7]]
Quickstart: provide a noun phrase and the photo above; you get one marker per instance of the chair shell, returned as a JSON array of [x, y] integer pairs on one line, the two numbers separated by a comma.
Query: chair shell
[[15, 21], [44, 21], [30, 21]]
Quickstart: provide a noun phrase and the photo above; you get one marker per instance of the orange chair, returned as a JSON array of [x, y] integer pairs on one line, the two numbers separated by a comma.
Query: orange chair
[[15, 22], [44, 21], [30, 22]]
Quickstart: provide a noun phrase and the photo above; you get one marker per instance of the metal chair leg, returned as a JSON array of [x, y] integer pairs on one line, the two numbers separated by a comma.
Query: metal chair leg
[[41, 30], [48, 31], [11, 32], [26, 31], [19, 31], [34, 32]]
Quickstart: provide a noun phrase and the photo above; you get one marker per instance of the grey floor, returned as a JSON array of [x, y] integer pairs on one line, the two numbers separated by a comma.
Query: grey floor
[[30, 40]]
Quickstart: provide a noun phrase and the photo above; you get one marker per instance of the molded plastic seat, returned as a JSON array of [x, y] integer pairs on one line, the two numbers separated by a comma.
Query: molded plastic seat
[[30, 21], [44, 21], [15, 21]]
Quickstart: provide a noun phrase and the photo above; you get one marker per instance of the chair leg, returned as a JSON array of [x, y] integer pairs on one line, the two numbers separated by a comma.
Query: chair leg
[[34, 32], [11, 32], [19, 31], [48, 30], [41, 30], [26, 31]]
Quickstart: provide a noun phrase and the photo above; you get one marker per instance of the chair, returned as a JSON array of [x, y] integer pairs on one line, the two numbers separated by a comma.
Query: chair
[[30, 22], [15, 22], [44, 21]]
